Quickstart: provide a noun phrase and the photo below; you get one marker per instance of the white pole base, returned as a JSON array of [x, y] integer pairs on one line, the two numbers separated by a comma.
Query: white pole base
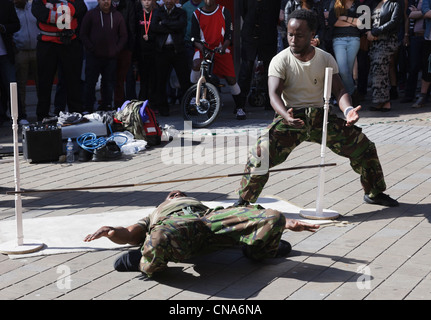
[[12, 247], [314, 215]]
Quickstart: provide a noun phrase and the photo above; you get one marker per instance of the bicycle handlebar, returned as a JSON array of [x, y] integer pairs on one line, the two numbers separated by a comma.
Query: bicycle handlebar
[[202, 42]]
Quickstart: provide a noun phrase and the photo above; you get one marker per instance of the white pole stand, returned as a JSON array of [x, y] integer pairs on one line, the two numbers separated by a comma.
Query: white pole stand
[[17, 246], [319, 213]]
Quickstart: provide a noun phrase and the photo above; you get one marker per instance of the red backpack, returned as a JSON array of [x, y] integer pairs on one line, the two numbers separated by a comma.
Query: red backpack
[[153, 132], [138, 118]]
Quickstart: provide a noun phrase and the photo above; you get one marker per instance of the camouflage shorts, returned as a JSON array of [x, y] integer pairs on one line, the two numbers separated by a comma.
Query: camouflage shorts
[[179, 236], [279, 140]]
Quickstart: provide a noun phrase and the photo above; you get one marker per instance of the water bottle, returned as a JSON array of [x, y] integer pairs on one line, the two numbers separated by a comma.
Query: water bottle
[[70, 157]]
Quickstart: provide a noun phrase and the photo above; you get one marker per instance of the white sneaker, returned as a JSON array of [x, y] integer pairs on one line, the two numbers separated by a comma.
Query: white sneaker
[[240, 114], [23, 122]]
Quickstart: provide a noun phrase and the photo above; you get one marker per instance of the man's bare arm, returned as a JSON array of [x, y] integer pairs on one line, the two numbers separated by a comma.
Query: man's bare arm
[[131, 235], [275, 89], [344, 101]]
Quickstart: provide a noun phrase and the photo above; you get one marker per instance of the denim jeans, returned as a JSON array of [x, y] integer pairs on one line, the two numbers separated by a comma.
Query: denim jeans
[[345, 50]]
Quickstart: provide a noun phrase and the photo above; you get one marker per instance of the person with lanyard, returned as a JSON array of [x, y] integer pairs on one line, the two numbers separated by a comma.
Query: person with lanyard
[[145, 53]]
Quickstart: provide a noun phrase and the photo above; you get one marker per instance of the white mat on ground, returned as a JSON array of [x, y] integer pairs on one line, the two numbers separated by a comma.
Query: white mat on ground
[[66, 234]]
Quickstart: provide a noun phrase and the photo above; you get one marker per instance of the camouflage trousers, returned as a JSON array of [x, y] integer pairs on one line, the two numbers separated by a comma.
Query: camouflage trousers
[[278, 141], [181, 236]]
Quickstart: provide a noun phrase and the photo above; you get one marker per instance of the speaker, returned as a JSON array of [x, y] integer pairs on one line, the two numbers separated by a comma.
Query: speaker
[[41, 143]]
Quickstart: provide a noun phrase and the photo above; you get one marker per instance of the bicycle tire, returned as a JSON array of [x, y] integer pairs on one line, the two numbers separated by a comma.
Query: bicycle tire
[[205, 114]]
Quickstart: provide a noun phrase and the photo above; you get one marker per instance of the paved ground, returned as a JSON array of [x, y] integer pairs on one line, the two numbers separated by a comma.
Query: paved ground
[[378, 253]]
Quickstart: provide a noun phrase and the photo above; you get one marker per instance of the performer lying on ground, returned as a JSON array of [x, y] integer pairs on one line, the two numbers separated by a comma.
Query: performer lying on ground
[[182, 227], [296, 83]]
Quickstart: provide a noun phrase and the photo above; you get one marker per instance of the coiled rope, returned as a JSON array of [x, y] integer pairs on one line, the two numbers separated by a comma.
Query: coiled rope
[[89, 141]]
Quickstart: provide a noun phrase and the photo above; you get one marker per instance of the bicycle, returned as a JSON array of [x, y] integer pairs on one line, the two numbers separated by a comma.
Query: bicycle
[[201, 102]]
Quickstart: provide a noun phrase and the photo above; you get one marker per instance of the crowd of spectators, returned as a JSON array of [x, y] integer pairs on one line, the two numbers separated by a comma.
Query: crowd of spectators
[[381, 48]]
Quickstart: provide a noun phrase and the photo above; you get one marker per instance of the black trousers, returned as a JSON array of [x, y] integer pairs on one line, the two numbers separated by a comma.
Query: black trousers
[[49, 55], [166, 59], [147, 74], [245, 78]]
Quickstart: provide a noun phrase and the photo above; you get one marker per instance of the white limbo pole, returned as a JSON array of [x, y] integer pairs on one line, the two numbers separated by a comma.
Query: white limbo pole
[[17, 246], [319, 213]]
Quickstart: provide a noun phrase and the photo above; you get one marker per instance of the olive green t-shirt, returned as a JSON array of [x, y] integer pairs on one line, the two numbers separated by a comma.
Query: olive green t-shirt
[[304, 82]]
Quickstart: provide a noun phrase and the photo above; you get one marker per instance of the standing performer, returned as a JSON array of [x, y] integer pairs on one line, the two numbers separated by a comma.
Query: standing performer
[[296, 83], [182, 227]]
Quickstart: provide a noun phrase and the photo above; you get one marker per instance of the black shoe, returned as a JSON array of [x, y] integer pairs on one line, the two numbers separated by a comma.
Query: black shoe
[[110, 151], [128, 261], [284, 248], [240, 114], [84, 155], [381, 199], [246, 251], [240, 203]]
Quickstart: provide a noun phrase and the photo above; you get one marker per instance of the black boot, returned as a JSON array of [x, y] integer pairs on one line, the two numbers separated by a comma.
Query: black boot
[[128, 261], [241, 202]]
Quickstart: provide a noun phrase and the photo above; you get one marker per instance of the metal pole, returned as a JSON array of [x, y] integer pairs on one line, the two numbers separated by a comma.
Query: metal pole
[[18, 201], [18, 246], [319, 213], [327, 97]]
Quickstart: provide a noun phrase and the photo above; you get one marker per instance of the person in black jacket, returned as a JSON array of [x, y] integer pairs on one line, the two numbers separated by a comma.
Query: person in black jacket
[[104, 35], [124, 58], [258, 40], [9, 24], [386, 16], [168, 25]]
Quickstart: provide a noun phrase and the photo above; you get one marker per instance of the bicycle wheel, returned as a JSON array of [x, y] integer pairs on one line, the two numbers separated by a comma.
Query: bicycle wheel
[[203, 115]]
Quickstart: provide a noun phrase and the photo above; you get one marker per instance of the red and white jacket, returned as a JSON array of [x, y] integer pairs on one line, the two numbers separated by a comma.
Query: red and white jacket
[[56, 18]]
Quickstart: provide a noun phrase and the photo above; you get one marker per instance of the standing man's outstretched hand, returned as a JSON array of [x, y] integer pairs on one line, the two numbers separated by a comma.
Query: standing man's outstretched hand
[[352, 117]]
